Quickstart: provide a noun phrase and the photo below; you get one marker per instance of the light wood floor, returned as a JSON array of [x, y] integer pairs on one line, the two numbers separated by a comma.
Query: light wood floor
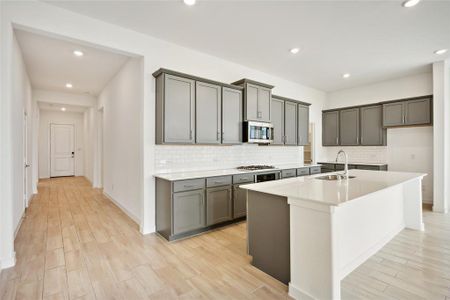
[[75, 244]]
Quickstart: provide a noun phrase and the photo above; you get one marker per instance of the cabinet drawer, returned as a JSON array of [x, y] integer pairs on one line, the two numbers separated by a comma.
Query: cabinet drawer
[[315, 170], [218, 181], [188, 185], [243, 178], [302, 171], [288, 173]]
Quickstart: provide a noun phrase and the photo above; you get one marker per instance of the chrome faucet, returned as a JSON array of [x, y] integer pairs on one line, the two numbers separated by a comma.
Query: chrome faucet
[[346, 162]]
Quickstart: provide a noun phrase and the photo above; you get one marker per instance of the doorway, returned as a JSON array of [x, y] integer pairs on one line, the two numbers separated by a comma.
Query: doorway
[[62, 150]]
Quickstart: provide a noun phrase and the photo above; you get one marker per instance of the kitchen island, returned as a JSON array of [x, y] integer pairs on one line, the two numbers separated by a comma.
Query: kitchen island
[[311, 232]]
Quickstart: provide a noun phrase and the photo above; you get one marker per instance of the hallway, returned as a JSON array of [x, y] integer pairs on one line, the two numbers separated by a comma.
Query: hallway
[[75, 244]]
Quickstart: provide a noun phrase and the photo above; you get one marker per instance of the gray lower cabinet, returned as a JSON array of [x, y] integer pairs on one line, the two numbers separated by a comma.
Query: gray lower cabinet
[[239, 202], [188, 211], [288, 173], [278, 121], [417, 111], [208, 109], [303, 125], [330, 128], [175, 110], [372, 131], [290, 123], [349, 127], [232, 116], [218, 205]]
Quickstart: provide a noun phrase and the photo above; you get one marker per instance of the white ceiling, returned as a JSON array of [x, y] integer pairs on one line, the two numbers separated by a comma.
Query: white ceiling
[[372, 40], [50, 63]]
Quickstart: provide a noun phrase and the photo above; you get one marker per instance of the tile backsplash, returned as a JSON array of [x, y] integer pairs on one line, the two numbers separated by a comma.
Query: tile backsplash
[[366, 154], [189, 158]]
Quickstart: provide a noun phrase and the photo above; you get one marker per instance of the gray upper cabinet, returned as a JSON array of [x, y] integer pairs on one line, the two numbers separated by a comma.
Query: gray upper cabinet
[[290, 123], [232, 116], [418, 112], [303, 125], [278, 121], [188, 211], [218, 205], [257, 100], [408, 112], [372, 131], [349, 127], [330, 128], [208, 113], [175, 109], [264, 101], [393, 114]]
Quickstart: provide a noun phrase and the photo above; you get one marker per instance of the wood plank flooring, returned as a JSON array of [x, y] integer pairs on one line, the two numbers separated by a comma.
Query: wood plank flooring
[[75, 244]]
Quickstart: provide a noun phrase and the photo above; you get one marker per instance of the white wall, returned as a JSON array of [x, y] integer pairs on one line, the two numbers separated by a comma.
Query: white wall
[[75, 99], [408, 149], [21, 95], [157, 53], [47, 117], [90, 141], [121, 101]]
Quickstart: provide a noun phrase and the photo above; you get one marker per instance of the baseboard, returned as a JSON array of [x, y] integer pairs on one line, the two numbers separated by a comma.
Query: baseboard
[[8, 262], [296, 293], [145, 231], [18, 225], [126, 211]]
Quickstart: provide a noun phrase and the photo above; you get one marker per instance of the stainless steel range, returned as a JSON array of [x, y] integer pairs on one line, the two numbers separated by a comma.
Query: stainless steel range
[[262, 176], [255, 167]]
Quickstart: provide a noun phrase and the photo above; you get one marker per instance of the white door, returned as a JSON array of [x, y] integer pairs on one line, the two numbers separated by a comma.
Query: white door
[[62, 152]]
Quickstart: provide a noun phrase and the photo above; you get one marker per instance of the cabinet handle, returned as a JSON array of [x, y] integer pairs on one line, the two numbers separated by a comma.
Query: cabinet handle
[[218, 182], [337, 140], [259, 114], [190, 134], [188, 186], [218, 135]]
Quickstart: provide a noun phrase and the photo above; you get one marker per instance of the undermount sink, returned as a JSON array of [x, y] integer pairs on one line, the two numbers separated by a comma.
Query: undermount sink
[[334, 177]]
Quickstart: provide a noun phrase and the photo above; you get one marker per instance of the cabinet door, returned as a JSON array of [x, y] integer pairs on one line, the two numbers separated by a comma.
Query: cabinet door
[[239, 202], [393, 114], [330, 128], [251, 102], [372, 131], [278, 121], [208, 113], [349, 127], [264, 100], [188, 211], [218, 205], [231, 116], [303, 125], [418, 111], [179, 110], [290, 123]]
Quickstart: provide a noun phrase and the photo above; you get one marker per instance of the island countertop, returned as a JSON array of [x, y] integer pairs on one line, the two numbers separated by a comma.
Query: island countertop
[[333, 192]]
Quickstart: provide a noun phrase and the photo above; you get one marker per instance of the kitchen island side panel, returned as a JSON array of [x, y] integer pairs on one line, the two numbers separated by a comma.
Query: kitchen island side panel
[[268, 234]]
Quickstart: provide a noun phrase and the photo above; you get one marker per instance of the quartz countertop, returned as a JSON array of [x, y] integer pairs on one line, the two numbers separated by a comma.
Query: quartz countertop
[[333, 193], [352, 163], [174, 176]]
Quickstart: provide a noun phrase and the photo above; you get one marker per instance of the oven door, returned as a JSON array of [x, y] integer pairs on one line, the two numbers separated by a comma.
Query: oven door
[[262, 177]]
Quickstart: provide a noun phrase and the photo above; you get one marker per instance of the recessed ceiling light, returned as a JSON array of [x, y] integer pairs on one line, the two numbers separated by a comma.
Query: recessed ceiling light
[[69, 85], [440, 51], [346, 75], [294, 50], [410, 3], [189, 2], [63, 108], [78, 53]]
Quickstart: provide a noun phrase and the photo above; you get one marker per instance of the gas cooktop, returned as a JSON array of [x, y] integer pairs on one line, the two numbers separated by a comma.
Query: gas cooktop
[[255, 167]]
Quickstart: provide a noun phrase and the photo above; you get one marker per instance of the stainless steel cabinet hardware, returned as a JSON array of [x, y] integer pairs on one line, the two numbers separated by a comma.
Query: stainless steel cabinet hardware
[[190, 134]]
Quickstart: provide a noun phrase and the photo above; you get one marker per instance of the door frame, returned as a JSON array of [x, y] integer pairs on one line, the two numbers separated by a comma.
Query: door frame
[[50, 147]]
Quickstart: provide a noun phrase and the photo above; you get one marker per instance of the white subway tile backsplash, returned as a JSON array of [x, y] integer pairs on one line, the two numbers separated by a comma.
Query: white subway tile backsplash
[[364, 154], [177, 158]]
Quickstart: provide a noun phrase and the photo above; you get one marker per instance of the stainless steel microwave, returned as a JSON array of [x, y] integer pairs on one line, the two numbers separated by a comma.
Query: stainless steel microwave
[[258, 132]]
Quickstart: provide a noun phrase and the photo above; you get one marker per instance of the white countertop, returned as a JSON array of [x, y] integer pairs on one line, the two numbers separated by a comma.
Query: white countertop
[[335, 192], [212, 173], [352, 163]]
